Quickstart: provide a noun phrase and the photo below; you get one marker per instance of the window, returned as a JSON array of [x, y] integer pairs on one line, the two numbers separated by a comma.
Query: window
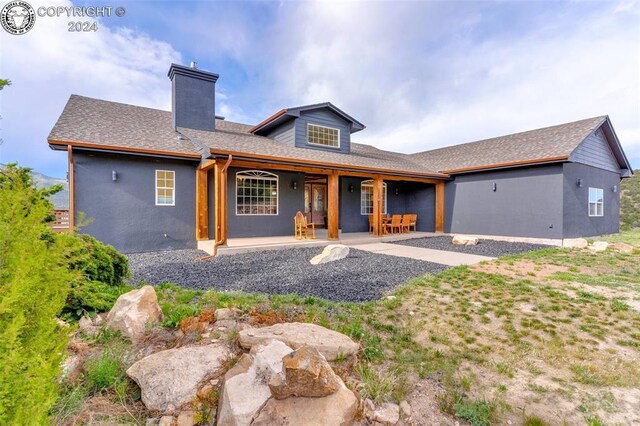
[[165, 188], [256, 193], [596, 202], [366, 197], [325, 136]]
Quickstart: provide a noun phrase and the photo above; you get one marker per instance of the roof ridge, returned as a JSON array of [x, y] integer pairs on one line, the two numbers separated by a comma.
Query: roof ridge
[[457, 145]]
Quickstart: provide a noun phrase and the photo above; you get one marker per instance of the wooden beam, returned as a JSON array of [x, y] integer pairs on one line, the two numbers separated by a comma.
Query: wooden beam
[[440, 207], [364, 174], [207, 164], [273, 166], [378, 192], [220, 200], [202, 204], [333, 206], [72, 189]]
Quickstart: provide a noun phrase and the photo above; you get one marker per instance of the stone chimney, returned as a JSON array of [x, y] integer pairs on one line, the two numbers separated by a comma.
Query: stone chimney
[[193, 97]]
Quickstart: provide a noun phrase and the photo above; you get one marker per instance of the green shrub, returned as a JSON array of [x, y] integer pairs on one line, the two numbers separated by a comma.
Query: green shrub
[[477, 412], [34, 282]]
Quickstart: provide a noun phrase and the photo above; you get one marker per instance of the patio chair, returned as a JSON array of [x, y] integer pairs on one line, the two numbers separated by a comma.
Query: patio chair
[[396, 223], [406, 222], [414, 221], [302, 227], [370, 223]]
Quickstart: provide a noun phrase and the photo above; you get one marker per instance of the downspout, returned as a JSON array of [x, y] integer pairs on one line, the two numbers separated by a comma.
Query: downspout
[[223, 213]]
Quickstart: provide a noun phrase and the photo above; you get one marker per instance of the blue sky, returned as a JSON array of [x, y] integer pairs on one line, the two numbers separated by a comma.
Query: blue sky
[[420, 75]]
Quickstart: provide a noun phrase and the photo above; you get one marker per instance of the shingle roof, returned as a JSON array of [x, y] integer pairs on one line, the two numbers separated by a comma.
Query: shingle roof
[[116, 125], [547, 143]]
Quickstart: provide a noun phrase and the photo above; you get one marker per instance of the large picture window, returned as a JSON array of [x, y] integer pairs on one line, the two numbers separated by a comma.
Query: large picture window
[[596, 202], [165, 188], [366, 197], [325, 136], [256, 193]]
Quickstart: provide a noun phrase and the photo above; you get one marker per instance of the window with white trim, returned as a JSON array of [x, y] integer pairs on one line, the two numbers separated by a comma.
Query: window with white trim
[[366, 197], [325, 136], [596, 202], [256, 193], [165, 188]]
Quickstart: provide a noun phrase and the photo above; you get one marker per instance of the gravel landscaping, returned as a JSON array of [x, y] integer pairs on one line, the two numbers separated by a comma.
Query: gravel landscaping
[[491, 248], [360, 277]]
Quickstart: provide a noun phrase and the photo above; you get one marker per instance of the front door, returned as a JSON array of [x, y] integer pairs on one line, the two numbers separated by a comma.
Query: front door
[[315, 199]]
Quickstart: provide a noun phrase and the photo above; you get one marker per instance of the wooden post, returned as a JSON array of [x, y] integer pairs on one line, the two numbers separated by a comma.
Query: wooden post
[[72, 190], [220, 191], [378, 192], [202, 208], [439, 207], [333, 206]]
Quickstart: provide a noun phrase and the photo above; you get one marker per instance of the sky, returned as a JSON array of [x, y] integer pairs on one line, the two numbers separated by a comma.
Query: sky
[[419, 74]]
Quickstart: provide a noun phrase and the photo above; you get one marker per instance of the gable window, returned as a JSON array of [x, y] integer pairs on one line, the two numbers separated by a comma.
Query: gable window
[[256, 193], [366, 197], [165, 188], [325, 136], [596, 202]]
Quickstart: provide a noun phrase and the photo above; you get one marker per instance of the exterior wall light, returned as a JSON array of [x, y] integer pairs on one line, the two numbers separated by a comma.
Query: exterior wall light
[[294, 184], [114, 175], [615, 188], [579, 183], [495, 187], [351, 188]]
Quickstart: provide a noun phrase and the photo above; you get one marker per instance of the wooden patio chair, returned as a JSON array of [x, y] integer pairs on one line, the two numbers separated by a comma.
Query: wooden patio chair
[[370, 223], [406, 223], [396, 223], [302, 227], [414, 222]]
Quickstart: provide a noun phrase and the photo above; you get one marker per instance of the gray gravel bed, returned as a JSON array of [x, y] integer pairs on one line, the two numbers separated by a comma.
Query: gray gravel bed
[[360, 277], [491, 248]]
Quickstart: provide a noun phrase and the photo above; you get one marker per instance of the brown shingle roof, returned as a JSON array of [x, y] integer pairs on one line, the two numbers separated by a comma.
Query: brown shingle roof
[[546, 144], [88, 121]]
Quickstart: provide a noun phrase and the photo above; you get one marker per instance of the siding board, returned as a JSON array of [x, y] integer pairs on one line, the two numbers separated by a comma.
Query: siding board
[[323, 118], [595, 151]]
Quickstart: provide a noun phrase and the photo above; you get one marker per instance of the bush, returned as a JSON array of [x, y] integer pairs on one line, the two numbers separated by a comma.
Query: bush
[[34, 283]]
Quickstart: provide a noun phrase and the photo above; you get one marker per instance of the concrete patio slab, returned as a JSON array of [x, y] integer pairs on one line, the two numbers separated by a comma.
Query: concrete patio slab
[[442, 257]]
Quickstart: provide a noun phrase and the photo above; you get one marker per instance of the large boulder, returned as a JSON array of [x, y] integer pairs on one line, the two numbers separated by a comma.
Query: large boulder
[[579, 243], [329, 343], [337, 409], [330, 253], [305, 373], [133, 310], [598, 246], [170, 378], [622, 247], [462, 240], [245, 389], [387, 414]]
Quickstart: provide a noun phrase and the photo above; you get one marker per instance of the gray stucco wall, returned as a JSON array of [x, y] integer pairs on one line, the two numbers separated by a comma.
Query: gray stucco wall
[[289, 202], [322, 117], [412, 198], [527, 203], [123, 213], [193, 102], [577, 222]]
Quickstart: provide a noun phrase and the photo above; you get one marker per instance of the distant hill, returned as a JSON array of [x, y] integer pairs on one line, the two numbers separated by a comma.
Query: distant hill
[[630, 202], [61, 199]]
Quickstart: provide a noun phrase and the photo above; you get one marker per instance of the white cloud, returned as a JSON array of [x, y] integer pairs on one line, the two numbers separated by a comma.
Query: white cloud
[[48, 64]]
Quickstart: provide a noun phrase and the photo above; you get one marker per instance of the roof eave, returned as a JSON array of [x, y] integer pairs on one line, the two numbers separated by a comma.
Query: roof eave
[[511, 164], [63, 144]]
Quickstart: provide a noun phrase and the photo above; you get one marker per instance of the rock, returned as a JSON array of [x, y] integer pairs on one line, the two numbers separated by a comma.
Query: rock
[[330, 343], [132, 311], [71, 367], [166, 421], [575, 243], [461, 240], [599, 246], [622, 247], [330, 253], [205, 392], [405, 409], [245, 389], [152, 421], [387, 414], [186, 418], [228, 314], [338, 408], [88, 326], [171, 377], [305, 372]]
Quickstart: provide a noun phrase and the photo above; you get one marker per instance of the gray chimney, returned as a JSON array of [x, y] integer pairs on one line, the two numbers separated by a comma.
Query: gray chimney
[[193, 97]]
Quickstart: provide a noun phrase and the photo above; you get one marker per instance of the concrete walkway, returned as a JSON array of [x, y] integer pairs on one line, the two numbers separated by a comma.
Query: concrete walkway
[[442, 257]]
